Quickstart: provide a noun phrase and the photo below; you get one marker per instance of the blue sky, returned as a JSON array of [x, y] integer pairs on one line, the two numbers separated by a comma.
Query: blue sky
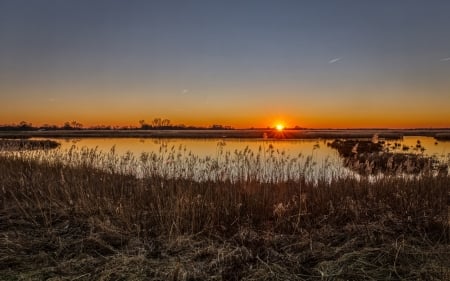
[[241, 63]]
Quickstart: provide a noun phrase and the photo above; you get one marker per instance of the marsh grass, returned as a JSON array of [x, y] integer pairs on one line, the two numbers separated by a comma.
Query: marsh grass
[[372, 158], [87, 215], [26, 144]]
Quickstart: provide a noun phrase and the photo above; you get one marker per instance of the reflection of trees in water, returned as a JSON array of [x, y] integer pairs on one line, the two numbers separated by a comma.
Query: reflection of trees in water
[[162, 142], [73, 140]]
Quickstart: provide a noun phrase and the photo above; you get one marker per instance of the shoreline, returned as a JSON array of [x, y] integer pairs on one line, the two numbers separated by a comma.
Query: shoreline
[[438, 134]]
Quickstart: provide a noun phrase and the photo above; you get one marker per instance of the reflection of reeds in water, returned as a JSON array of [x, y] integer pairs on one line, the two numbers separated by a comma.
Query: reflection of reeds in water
[[231, 196]]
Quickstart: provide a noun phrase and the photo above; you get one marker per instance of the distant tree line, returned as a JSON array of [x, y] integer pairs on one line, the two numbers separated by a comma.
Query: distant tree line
[[26, 126], [155, 124], [165, 124]]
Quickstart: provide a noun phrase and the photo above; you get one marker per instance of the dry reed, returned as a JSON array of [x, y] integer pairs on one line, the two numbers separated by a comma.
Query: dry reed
[[87, 215]]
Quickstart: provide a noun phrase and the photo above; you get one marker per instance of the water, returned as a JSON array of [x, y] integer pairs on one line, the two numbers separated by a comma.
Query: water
[[205, 147], [265, 160], [440, 150], [212, 159], [316, 148]]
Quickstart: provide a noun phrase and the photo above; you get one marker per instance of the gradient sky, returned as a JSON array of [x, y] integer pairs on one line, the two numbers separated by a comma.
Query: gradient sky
[[351, 63]]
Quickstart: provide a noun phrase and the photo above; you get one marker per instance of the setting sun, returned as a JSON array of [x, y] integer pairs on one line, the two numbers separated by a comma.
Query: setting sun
[[279, 127]]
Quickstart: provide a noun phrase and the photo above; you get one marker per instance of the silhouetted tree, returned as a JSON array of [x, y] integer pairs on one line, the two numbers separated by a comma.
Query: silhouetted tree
[[76, 125], [23, 125], [156, 122], [165, 123], [144, 125], [67, 126]]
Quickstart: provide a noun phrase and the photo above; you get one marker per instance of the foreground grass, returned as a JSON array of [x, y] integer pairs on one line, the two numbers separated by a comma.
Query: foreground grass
[[77, 222]]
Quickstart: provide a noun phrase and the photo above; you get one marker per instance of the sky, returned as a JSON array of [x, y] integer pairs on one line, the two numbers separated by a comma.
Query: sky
[[321, 64]]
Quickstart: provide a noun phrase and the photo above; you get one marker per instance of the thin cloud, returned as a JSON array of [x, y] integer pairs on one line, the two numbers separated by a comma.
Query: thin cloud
[[445, 59], [185, 91], [334, 60]]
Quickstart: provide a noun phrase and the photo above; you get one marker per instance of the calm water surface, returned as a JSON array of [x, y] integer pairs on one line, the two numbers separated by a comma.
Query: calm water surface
[[323, 159], [209, 147], [203, 147]]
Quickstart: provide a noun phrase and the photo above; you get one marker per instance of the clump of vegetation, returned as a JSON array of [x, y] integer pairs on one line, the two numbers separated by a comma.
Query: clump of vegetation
[[348, 148], [368, 157], [26, 144], [87, 215]]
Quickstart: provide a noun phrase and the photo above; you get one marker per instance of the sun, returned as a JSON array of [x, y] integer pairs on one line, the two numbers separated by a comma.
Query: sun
[[279, 127]]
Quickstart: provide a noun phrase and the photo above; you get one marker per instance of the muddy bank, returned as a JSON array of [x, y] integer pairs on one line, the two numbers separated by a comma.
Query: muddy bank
[[443, 136]]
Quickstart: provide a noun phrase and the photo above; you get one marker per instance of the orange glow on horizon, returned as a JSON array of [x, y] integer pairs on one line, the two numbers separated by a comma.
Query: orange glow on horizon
[[237, 121]]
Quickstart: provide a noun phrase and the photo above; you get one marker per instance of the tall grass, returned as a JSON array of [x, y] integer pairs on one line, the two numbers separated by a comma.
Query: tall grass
[[174, 193], [177, 191]]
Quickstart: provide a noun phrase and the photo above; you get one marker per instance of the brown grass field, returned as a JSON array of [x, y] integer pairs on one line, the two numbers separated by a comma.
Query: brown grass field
[[78, 217]]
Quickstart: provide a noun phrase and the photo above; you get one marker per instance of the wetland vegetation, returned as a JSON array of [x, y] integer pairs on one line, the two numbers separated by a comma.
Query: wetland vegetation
[[369, 157], [84, 214], [26, 144]]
